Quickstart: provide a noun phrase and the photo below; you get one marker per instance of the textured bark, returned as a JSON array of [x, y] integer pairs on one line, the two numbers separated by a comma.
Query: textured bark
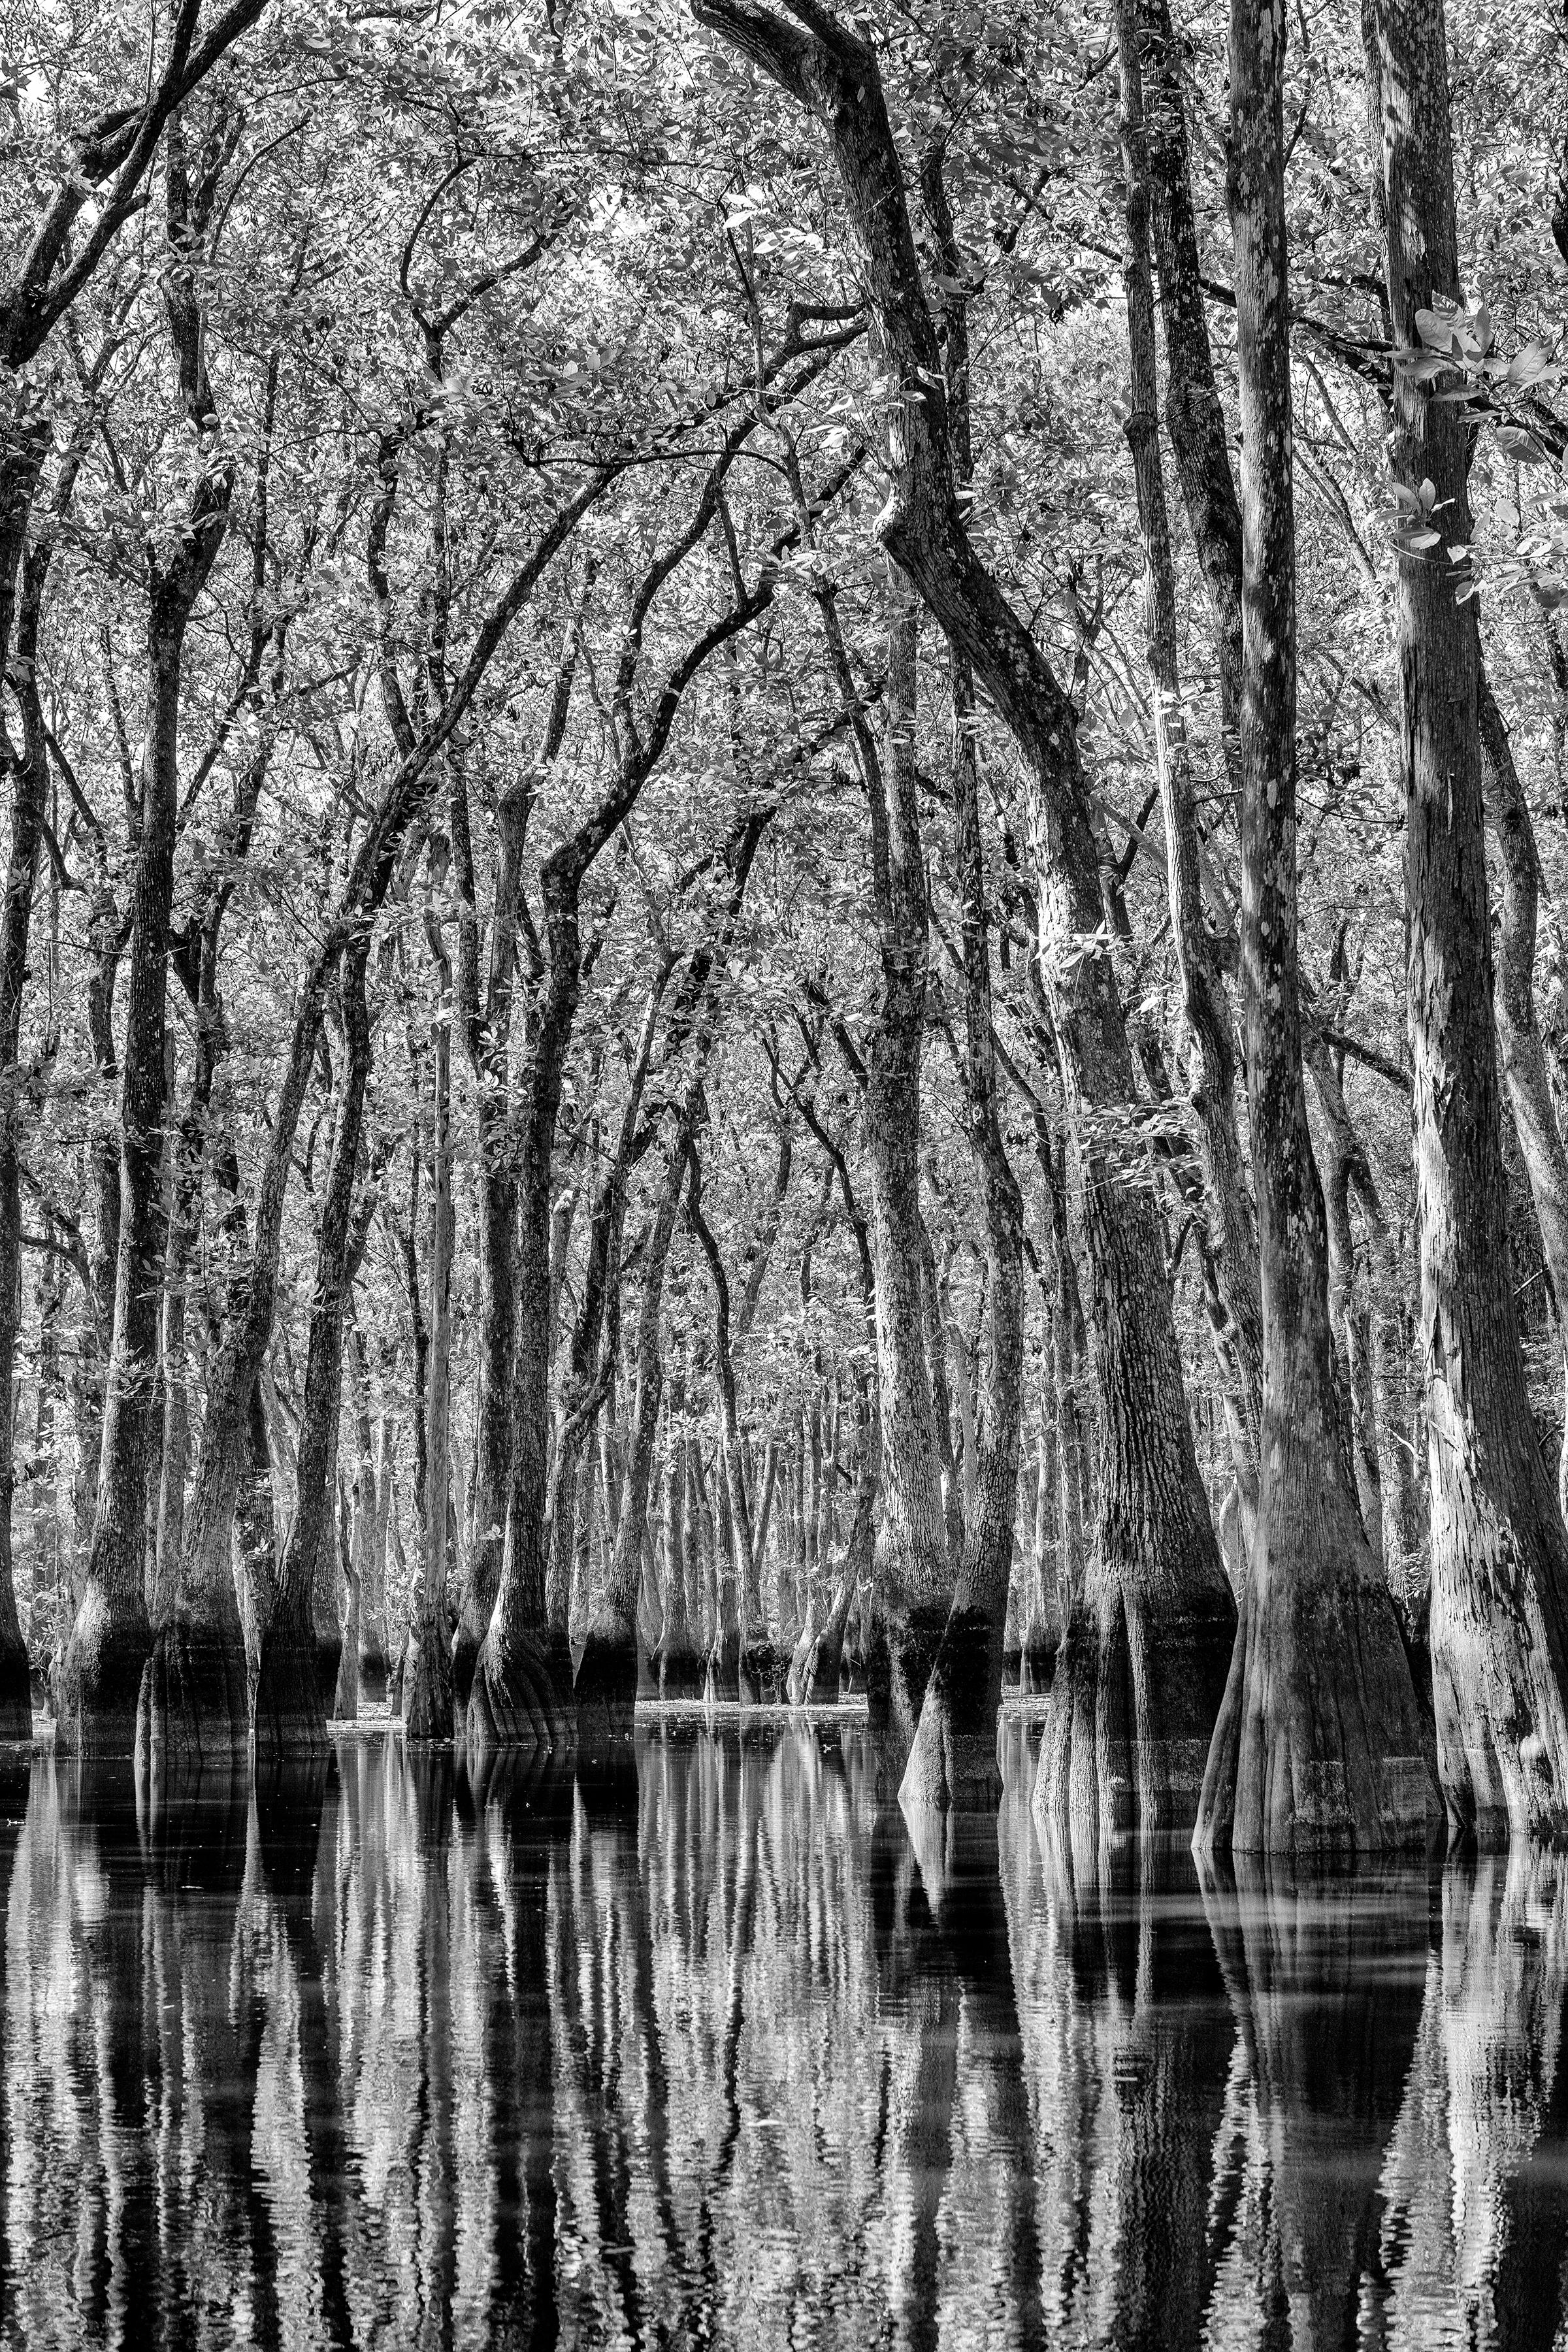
[[1343, 1170], [1499, 1555], [1193, 413], [1317, 1750], [1524, 1063]]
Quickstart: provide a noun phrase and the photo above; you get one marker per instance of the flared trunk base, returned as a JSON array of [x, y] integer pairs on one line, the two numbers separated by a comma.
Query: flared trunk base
[[520, 1697], [194, 1703], [952, 1763], [1137, 1687], [722, 1685], [98, 1688], [764, 1670], [290, 1726], [682, 1672], [1319, 1754], [427, 1699], [897, 1668], [605, 1682]]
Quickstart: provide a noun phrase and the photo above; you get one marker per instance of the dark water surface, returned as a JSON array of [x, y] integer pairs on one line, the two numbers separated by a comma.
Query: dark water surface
[[707, 2058]]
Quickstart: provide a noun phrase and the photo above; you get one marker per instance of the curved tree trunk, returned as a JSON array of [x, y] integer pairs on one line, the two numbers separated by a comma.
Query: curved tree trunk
[[1499, 1555], [1158, 1617], [1317, 1750]]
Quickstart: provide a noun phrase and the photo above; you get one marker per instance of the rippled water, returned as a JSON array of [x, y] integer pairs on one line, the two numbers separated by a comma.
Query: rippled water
[[708, 2057]]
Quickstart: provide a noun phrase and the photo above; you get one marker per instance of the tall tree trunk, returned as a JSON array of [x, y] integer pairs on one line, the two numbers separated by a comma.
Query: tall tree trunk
[[1525, 1063], [1499, 1555], [290, 1715], [953, 1759], [101, 1674], [1317, 1750], [913, 1570], [1232, 1236], [1159, 1617], [19, 462], [1193, 416], [427, 1694], [1343, 1170]]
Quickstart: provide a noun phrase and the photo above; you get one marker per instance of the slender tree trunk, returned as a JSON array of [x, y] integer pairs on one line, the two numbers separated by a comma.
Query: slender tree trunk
[[291, 1715], [1317, 1750], [19, 462], [1342, 1169], [913, 1572], [1499, 1555], [428, 1695]]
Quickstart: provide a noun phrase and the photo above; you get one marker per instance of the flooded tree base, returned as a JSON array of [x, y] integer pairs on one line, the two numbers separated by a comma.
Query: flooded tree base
[[952, 1762], [98, 1688], [1137, 1685], [195, 1701], [1319, 1754], [289, 1723], [521, 1696]]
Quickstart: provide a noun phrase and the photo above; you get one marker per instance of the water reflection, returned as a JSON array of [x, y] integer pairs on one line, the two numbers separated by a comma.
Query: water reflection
[[715, 2054]]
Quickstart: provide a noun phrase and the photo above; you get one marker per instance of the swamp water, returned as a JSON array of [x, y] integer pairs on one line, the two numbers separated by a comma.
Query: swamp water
[[390, 2058]]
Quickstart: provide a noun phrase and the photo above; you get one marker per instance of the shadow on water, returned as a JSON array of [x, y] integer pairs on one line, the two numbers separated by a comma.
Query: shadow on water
[[710, 2049]]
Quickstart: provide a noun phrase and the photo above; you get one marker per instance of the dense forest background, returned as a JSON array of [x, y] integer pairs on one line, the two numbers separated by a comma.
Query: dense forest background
[[554, 1040]]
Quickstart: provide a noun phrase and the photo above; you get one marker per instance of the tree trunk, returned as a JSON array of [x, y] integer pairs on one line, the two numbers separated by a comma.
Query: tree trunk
[[1232, 1236], [953, 1760], [1317, 1750], [101, 1674], [427, 1694], [20, 464], [1525, 1063], [290, 1718], [1499, 1555], [913, 1572]]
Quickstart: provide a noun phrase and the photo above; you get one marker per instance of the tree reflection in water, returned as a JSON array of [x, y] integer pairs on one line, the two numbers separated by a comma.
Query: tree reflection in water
[[715, 2051]]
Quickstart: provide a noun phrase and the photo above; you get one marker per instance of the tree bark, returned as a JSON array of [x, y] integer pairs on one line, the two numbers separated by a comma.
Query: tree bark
[[1231, 1241], [1499, 1555], [1317, 1750], [1524, 1063]]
